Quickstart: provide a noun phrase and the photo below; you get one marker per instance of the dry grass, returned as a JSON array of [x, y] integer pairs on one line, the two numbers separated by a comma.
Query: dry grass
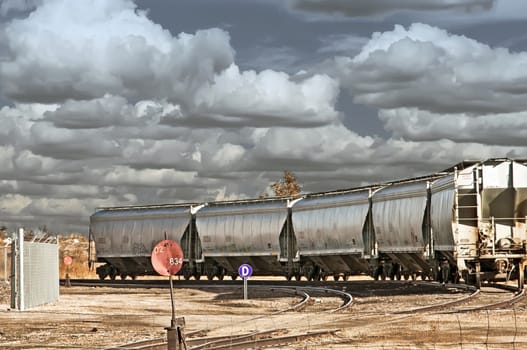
[[5, 257], [75, 246]]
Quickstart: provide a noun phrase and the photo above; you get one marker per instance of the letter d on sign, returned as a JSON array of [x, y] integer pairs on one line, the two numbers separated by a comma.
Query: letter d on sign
[[245, 271]]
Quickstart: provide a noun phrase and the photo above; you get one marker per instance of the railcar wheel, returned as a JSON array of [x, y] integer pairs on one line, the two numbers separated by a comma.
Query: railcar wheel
[[478, 275], [345, 277], [102, 276], [521, 276], [123, 276], [376, 274], [298, 277], [234, 276], [336, 277], [455, 278], [186, 275], [383, 276], [197, 276]]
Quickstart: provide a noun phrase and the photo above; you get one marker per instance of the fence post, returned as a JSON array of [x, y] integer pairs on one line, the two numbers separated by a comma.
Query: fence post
[[21, 301], [14, 271], [5, 263]]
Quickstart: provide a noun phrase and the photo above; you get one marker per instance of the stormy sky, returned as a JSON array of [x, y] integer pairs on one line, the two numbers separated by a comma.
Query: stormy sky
[[106, 103]]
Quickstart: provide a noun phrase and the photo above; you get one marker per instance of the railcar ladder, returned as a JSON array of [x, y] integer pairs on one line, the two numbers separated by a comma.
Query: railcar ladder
[[476, 204]]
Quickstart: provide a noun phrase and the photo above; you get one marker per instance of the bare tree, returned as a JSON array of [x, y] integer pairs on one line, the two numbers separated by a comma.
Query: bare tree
[[287, 186]]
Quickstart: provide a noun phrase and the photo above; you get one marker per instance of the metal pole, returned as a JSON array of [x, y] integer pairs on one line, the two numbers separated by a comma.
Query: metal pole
[[5, 263], [245, 289], [173, 319], [175, 336]]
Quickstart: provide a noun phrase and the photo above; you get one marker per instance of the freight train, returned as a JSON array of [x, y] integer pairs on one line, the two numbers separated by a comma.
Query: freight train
[[467, 222]]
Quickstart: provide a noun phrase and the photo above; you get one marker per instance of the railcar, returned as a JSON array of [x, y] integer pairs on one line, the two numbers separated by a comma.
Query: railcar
[[125, 236], [468, 222], [331, 231], [400, 214], [478, 221], [237, 232]]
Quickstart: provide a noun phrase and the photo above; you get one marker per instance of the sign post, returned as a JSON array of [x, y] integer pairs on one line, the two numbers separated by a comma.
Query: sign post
[[167, 260], [67, 261], [245, 271]]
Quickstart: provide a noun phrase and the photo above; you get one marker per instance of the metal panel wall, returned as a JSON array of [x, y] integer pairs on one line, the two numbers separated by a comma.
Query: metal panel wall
[[241, 228], [134, 232], [519, 180], [398, 212], [497, 197], [41, 274], [442, 213], [331, 224]]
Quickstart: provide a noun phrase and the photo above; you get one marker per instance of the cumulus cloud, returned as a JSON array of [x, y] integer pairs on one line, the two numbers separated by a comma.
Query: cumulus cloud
[[416, 125], [430, 69], [122, 175], [132, 57], [107, 107], [109, 47], [268, 98]]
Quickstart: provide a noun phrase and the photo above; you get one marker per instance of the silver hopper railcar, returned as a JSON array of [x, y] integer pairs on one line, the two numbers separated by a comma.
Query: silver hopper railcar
[[467, 222]]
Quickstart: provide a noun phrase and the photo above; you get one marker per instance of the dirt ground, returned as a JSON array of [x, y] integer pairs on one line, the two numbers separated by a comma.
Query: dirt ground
[[100, 317]]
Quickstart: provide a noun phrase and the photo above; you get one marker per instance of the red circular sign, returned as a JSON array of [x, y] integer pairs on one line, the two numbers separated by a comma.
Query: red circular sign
[[167, 258], [68, 260]]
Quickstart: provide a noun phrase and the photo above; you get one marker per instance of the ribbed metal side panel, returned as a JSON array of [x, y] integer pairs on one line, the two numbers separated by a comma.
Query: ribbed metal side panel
[[398, 212], [520, 202], [331, 224], [251, 228], [41, 274], [442, 213], [134, 232]]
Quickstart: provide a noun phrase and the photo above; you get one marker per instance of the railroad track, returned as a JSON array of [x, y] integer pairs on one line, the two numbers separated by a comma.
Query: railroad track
[[484, 299], [254, 340], [487, 299], [299, 289], [308, 296]]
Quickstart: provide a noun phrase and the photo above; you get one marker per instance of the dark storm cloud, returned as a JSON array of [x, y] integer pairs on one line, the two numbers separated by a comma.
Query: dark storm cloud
[[365, 8], [99, 113], [65, 144], [7, 6]]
